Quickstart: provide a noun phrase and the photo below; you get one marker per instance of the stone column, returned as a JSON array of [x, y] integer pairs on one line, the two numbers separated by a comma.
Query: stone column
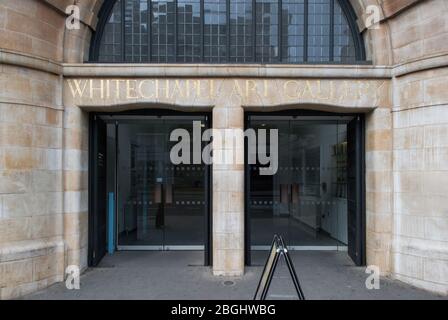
[[228, 194], [379, 202]]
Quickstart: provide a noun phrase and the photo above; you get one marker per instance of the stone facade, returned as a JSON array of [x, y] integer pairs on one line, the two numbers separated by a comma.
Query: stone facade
[[44, 135]]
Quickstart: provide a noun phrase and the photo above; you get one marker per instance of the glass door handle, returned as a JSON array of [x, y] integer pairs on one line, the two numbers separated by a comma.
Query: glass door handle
[[159, 198], [168, 193], [289, 193], [295, 193], [158, 190], [284, 193]]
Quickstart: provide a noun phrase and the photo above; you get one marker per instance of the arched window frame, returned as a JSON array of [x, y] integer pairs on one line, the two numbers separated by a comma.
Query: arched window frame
[[108, 6]]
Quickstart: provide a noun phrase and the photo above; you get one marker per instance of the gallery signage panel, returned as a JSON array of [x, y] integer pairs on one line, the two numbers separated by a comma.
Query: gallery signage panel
[[210, 92]]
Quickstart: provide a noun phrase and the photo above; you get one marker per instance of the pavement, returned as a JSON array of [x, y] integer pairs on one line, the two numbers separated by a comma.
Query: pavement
[[180, 275]]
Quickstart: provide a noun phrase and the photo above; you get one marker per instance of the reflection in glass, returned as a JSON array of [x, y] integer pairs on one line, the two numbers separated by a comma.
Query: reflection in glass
[[136, 31], [163, 31], [224, 31], [344, 48], [159, 204], [267, 31], [188, 31], [215, 31], [306, 200], [319, 30], [111, 42], [241, 37], [293, 30]]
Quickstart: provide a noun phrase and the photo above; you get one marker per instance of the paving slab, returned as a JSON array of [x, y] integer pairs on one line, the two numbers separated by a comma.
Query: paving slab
[[181, 275]]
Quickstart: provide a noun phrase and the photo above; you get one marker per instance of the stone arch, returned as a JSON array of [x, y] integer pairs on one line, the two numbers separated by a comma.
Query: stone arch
[[377, 41]]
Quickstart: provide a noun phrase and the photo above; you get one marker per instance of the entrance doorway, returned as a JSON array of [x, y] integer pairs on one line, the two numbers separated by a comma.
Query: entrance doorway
[[144, 201], [315, 199]]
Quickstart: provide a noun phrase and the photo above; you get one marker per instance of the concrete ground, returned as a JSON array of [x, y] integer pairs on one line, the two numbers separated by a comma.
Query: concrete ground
[[179, 275]]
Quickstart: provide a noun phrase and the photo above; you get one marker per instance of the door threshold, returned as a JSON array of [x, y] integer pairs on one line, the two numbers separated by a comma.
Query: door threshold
[[160, 248], [304, 248]]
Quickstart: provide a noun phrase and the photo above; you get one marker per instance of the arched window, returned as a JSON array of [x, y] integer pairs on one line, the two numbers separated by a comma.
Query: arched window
[[227, 31]]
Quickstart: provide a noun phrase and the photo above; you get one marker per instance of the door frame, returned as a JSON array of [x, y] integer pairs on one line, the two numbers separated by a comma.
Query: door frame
[[94, 255], [208, 235], [360, 189]]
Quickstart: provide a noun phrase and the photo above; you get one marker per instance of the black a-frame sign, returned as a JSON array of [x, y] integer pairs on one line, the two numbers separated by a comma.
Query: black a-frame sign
[[278, 249]]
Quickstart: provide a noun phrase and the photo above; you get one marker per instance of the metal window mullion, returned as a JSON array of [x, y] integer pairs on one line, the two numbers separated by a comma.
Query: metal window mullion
[[280, 26], [254, 32], [282, 44], [202, 15], [149, 28], [123, 22], [135, 52], [356, 35], [228, 30], [305, 31], [175, 31], [331, 44]]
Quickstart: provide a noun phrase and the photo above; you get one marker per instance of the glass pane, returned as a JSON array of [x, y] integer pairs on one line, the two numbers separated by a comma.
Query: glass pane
[[185, 195], [306, 200], [111, 42], [163, 31], [159, 204], [215, 31], [267, 31], [293, 30], [189, 31], [319, 30], [241, 29], [136, 31], [344, 48], [171, 34], [141, 160], [319, 195], [268, 199]]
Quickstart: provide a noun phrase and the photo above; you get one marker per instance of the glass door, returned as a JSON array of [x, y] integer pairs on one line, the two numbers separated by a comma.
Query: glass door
[[305, 201], [318, 204], [160, 205], [185, 200]]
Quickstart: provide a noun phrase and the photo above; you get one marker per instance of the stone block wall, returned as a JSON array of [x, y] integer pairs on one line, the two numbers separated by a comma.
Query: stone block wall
[[419, 39], [32, 249], [406, 157], [420, 253], [31, 181], [31, 27], [420, 31]]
